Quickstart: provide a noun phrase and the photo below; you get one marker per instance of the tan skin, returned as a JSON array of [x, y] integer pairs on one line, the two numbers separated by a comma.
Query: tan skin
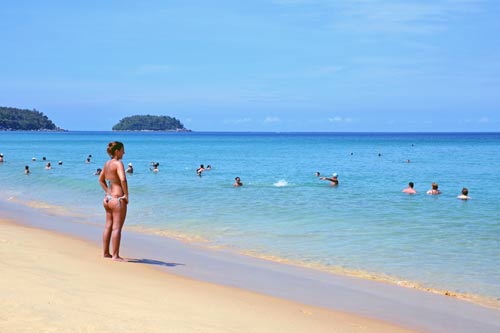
[[237, 182], [333, 181], [116, 210], [434, 190]]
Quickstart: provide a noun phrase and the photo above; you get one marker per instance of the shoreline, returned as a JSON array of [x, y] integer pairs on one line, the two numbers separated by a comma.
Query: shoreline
[[439, 242], [390, 303], [52, 282], [484, 301], [489, 302]]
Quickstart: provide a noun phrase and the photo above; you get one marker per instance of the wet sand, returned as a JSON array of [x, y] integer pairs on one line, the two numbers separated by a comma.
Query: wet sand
[[52, 276], [55, 283]]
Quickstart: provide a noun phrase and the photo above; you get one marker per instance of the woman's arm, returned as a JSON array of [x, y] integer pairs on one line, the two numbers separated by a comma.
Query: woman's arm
[[123, 180], [102, 179]]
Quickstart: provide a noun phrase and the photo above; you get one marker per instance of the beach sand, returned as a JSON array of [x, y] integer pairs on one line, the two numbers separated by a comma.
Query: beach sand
[[51, 282]]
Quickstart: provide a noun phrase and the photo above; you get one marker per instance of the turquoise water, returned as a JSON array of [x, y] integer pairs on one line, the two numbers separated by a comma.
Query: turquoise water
[[283, 211]]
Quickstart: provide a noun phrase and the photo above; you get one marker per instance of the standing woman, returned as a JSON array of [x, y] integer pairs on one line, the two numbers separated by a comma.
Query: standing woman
[[114, 182]]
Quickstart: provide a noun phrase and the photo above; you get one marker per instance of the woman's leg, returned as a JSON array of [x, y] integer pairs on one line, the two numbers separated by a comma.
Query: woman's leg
[[119, 215], [106, 235]]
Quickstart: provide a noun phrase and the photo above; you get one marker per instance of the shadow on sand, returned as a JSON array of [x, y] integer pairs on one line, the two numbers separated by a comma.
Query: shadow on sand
[[154, 262]]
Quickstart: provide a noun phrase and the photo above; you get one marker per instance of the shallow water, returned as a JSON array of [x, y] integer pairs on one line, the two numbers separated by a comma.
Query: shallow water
[[283, 211]]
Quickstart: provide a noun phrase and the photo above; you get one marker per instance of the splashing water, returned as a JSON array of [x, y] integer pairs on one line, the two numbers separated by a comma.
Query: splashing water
[[281, 183]]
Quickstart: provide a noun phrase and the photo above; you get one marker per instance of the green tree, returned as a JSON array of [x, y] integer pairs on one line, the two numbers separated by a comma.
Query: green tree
[[149, 123], [24, 120]]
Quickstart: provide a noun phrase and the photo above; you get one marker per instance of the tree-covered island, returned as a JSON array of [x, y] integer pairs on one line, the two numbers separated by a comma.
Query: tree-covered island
[[13, 119], [150, 123]]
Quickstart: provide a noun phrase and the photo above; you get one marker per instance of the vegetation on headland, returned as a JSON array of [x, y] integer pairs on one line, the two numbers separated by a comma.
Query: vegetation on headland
[[150, 123], [13, 119]]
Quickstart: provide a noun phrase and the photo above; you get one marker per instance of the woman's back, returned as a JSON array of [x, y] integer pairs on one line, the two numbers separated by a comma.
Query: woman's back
[[112, 175]]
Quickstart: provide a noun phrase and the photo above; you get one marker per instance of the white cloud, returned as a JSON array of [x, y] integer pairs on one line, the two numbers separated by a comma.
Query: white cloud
[[385, 16], [271, 120], [404, 16], [238, 121], [338, 120], [473, 121]]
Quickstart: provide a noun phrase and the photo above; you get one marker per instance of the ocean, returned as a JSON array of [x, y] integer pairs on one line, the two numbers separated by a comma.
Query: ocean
[[364, 227]]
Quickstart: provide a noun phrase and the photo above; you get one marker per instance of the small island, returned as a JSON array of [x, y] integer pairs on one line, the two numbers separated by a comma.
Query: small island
[[13, 119], [150, 123]]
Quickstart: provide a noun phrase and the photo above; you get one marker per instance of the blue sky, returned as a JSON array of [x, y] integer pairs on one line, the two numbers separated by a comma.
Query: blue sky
[[261, 65]]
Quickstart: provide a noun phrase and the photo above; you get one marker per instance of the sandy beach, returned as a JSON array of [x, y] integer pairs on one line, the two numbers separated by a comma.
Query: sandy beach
[[56, 283], [53, 279]]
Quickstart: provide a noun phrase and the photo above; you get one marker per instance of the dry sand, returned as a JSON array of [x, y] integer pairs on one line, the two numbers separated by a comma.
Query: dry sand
[[55, 283]]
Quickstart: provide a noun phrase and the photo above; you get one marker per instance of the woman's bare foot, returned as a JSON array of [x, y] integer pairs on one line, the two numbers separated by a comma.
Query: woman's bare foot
[[107, 255], [120, 259]]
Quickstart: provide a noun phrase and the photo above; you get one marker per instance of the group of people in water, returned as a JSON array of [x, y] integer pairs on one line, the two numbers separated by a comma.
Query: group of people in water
[[334, 181], [113, 180], [434, 190], [48, 166]]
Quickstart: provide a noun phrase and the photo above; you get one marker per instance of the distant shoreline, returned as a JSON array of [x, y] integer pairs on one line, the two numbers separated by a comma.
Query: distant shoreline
[[252, 132], [38, 130]]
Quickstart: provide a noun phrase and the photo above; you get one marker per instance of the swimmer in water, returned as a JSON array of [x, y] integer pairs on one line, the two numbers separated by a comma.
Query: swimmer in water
[[130, 168], [237, 182], [434, 190], [464, 195], [333, 181], [155, 166], [410, 189], [200, 170]]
